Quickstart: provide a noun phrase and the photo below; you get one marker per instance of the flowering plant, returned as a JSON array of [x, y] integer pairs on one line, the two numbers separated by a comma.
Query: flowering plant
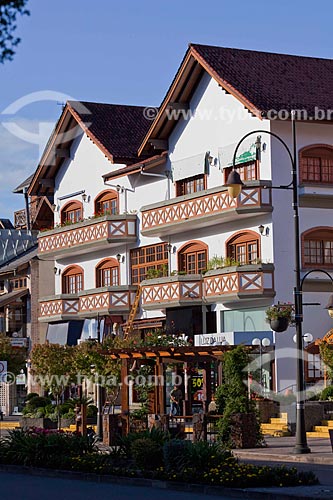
[[279, 311]]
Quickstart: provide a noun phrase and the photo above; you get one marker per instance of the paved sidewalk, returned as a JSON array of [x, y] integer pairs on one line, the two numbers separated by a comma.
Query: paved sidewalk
[[281, 450]]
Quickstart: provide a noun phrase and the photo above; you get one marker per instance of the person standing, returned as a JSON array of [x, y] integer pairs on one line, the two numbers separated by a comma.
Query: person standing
[[175, 399]]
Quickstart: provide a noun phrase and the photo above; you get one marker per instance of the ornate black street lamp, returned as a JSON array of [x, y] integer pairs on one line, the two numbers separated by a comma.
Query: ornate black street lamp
[[235, 184]]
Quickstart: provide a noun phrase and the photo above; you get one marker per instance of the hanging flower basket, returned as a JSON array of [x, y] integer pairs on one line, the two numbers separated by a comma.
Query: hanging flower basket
[[279, 324], [279, 316]]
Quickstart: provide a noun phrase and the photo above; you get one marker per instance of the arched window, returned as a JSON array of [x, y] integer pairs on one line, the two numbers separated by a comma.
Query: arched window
[[192, 258], [72, 212], [318, 247], [107, 273], [316, 164], [72, 279], [107, 203], [244, 248]]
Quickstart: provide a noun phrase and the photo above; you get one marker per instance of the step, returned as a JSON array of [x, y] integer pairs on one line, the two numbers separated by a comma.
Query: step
[[317, 435], [320, 428], [276, 433], [9, 425], [272, 426], [278, 420], [329, 423]]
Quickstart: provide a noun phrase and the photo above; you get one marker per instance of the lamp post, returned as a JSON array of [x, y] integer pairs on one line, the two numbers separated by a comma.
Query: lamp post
[[99, 430], [235, 184], [261, 343]]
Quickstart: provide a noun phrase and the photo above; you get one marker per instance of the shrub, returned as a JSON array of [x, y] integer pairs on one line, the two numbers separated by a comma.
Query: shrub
[[327, 393], [174, 455], [36, 402], [30, 396], [147, 453], [92, 411], [200, 456], [125, 443], [41, 447]]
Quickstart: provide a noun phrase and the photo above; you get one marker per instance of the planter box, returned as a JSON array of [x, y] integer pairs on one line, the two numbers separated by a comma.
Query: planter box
[[267, 409], [243, 430], [41, 423]]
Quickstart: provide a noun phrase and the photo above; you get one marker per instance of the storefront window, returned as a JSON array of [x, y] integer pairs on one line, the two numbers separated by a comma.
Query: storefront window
[[246, 320]]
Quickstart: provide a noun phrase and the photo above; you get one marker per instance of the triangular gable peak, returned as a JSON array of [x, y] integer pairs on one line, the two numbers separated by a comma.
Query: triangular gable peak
[[117, 130], [261, 81]]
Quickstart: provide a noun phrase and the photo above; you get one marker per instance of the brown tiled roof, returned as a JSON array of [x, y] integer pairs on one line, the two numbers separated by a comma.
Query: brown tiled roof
[[273, 81], [118, 129]]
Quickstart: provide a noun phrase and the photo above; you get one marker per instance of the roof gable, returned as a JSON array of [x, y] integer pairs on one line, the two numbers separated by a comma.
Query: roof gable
[[261, 81], [117, 130]]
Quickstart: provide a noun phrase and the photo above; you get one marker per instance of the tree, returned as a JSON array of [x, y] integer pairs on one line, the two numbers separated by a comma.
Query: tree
[[92, 362], [53, 366], [15, 357], [9, 9], [326, 354], [233, 399]]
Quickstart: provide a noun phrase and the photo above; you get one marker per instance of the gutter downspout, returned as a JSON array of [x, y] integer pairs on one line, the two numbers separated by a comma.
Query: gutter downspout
[[162, 176], [27, 211]]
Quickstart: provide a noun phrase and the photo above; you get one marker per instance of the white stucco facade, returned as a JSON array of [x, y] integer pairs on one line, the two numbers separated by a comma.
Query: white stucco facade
[[215, 121]]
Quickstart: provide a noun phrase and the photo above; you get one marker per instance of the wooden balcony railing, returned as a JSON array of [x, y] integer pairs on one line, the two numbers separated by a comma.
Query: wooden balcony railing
[[116, 299], [58, 307], [221, 285], [85, 304], [173, 290], [250, 281], [207, 207], [88, 235]]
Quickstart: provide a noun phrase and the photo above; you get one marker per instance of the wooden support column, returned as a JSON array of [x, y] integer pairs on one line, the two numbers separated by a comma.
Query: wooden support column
[[159, 389], [124, 397], [124, 386], [186, 400]]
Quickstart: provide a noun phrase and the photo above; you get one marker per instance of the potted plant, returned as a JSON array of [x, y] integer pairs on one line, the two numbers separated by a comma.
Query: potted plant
[[279, 316]]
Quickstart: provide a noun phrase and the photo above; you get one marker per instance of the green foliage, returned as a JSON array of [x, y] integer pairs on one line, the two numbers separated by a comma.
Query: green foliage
[[15, 357], [327, 393], [184, 461], [31, 395], [40, 447], [124, 444], [180, 455], [232, 396], [280, 311], [326, 354], [220, 262], [147, 453], [9, 9]]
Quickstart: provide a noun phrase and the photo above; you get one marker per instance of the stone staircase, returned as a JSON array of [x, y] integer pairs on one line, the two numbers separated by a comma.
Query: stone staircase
[[321, 431], [277, 427]]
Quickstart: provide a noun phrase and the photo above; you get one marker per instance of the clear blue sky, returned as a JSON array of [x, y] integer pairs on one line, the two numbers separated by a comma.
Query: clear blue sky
[[127, 52]]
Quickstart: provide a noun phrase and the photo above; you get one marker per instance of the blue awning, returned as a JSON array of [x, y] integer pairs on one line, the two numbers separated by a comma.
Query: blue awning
[[64, 333]]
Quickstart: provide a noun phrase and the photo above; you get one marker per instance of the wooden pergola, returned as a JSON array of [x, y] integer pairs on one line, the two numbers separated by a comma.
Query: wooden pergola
[[188, 355]]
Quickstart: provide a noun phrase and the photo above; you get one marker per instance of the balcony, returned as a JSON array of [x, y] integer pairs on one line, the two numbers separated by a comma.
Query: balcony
[[239, 282], [172, 291], [205, 208], [87, 236], [85, 304], [58, 307], [106, 300]]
